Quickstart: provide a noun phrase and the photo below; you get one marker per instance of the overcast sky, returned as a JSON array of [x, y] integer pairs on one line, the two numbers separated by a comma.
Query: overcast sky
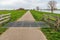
[[27, 4]]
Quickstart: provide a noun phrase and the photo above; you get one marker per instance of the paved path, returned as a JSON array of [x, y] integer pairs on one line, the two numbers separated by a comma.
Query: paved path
[[23, 33], [27, 17]]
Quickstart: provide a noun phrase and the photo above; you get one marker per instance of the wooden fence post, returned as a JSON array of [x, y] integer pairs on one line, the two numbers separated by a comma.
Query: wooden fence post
[[58, 22]]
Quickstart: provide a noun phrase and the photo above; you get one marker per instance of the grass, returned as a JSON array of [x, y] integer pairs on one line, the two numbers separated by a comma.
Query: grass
[[15, 14], [50, 35], [2, 30], [39, 15]]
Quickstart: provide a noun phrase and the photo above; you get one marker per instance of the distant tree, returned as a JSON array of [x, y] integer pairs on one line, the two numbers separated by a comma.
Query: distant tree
[[37, 8], [52, 5], [20, 9]]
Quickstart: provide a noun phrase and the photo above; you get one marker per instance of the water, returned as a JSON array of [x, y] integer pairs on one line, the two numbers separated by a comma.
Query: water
[[56, 11]]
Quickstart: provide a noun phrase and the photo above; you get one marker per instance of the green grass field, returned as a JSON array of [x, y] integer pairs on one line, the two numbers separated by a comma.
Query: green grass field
[[51, 35], [39, 15], [15, 14], [2, 30], [47, 31]]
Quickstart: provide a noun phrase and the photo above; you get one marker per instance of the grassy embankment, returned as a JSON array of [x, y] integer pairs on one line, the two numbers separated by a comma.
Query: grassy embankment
[[47, 31], [39, 15], [15, 14]]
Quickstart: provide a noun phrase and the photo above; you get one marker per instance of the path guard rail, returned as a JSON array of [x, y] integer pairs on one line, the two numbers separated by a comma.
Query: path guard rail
[[4, 18]]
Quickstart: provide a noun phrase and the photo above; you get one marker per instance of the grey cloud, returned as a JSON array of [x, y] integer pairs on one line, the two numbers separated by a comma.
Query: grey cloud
[[26, 4]]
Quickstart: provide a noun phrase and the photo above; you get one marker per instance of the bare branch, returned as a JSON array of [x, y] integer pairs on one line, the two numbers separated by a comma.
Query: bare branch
[[52, 5]]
